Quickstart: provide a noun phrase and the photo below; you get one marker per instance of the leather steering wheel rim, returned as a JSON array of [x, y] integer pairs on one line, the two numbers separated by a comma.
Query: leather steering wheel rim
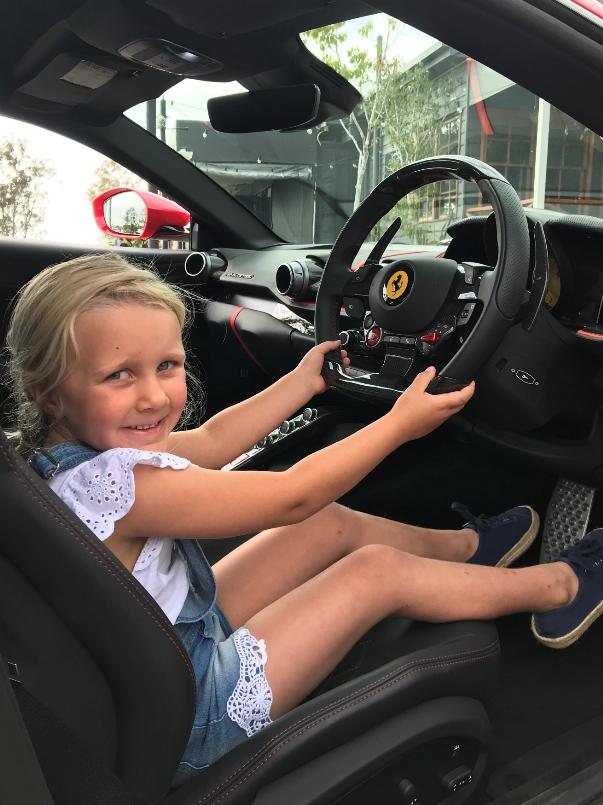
[[500, 293]]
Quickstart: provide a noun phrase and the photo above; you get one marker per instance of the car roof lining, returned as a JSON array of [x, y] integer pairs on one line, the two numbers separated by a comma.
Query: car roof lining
[[263, 48], [49, 76], [558, 37]]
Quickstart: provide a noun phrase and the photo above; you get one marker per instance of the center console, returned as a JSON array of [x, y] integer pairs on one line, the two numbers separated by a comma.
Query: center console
[[286, 435]]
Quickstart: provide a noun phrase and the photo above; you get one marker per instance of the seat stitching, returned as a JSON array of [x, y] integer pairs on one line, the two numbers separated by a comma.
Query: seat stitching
[[284, 743], [401, 672], [398, 670], [119, 573]]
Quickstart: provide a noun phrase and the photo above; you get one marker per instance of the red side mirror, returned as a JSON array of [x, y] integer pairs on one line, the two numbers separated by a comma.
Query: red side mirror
[[138, 214]]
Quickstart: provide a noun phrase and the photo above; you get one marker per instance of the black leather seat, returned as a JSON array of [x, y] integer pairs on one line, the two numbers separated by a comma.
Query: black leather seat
[[105, 689]]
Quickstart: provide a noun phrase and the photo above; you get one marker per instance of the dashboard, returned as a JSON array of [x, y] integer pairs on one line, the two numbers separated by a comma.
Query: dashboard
[[284, 280], [541, 389], [574, 290]]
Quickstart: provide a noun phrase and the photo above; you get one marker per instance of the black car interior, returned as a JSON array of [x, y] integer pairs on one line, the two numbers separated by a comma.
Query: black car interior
[[96, 694], [107, 699]]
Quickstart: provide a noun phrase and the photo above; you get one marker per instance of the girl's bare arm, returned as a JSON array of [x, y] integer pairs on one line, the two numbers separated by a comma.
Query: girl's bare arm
[[234, 430], [197, 502]]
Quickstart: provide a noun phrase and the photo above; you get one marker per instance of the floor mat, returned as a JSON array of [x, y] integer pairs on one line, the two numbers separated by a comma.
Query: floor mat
[[541, 696], [582, 788]]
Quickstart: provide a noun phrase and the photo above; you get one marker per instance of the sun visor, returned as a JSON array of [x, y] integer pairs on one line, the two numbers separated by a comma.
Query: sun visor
[[69, 80], [105, 86], [102, 61]]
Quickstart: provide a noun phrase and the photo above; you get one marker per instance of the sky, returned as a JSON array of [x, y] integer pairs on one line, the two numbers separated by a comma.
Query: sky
[[74, 164]]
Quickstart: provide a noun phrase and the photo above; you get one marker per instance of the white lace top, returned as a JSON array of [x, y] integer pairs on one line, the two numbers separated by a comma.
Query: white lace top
[[101, 491]]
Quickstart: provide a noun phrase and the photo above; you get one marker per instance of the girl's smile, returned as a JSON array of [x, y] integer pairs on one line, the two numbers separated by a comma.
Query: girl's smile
[[127, 388], [147, 431]]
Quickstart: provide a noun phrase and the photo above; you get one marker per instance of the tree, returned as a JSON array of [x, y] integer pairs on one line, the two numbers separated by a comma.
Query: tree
[[370, 69], [22, 196], [416, 107], [400, 112], [110, 174]]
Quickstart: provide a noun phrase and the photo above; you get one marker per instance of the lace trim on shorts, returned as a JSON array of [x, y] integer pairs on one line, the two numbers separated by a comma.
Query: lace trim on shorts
[[250, 702]]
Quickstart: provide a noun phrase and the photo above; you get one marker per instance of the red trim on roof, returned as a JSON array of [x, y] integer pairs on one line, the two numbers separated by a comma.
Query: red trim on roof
[[476, 94]]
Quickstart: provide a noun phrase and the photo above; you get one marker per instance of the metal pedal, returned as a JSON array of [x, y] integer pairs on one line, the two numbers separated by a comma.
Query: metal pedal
[[566, 519]]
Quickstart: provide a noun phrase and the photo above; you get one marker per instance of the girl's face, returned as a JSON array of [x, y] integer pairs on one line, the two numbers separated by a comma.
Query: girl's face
[[128, 387]]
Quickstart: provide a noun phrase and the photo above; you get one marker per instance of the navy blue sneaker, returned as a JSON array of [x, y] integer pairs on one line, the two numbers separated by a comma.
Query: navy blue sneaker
[[502, 538], [562, 627]]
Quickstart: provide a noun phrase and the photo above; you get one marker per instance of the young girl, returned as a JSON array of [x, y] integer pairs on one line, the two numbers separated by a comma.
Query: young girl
[[97, 368]]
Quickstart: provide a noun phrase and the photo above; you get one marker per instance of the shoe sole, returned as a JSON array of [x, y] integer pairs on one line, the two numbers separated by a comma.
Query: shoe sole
[[570, 637], [524, 543]]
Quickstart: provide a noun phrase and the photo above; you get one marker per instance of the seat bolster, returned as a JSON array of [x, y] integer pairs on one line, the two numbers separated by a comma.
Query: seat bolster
[[459, 659], [94, 602]]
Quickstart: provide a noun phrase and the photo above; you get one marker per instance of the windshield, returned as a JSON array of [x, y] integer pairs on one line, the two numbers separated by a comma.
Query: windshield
[[421, 98]]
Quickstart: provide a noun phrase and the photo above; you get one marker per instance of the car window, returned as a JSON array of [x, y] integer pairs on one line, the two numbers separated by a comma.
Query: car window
[[47, 183], [421, 97]]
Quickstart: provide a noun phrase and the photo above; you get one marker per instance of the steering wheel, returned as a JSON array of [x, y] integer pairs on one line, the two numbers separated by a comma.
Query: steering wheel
[[414, 304]]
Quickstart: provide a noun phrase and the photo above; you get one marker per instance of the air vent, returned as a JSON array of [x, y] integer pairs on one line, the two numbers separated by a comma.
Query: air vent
[[299, 279]]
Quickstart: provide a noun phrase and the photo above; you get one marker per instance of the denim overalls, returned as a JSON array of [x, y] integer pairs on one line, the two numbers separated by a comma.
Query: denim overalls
[[202, 627]]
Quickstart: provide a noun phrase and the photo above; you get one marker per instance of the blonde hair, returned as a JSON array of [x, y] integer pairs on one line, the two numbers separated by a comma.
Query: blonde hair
[[40, 342]]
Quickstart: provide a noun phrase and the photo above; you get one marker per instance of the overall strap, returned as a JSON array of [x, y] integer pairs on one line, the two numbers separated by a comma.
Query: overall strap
[[202, 582], [48, 461]]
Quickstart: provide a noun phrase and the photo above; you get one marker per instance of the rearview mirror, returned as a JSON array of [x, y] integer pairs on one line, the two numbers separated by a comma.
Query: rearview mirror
[[273, 109], [138, 215]]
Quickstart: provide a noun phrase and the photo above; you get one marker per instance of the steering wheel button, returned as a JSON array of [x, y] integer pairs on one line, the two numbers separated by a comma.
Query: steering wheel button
[[374, 336], [466, 311], [444, 329], [430, 338], [353, 307]]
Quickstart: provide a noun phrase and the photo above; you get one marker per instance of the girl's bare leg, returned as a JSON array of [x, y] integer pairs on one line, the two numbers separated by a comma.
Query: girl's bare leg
[[277, 560], [310, 629]]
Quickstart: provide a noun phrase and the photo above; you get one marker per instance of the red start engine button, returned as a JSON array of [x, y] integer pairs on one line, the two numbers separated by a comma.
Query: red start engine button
[[374, 336]]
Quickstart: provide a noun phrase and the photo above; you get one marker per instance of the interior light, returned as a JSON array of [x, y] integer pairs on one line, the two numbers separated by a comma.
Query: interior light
[[188, 56]]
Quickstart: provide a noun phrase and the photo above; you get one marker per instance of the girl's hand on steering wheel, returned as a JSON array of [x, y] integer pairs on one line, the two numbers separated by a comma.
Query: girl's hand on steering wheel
[[310, 367], [419, 412]]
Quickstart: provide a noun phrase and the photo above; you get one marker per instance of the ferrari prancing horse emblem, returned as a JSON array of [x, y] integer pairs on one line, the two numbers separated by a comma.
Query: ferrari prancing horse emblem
[[396, 286]]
